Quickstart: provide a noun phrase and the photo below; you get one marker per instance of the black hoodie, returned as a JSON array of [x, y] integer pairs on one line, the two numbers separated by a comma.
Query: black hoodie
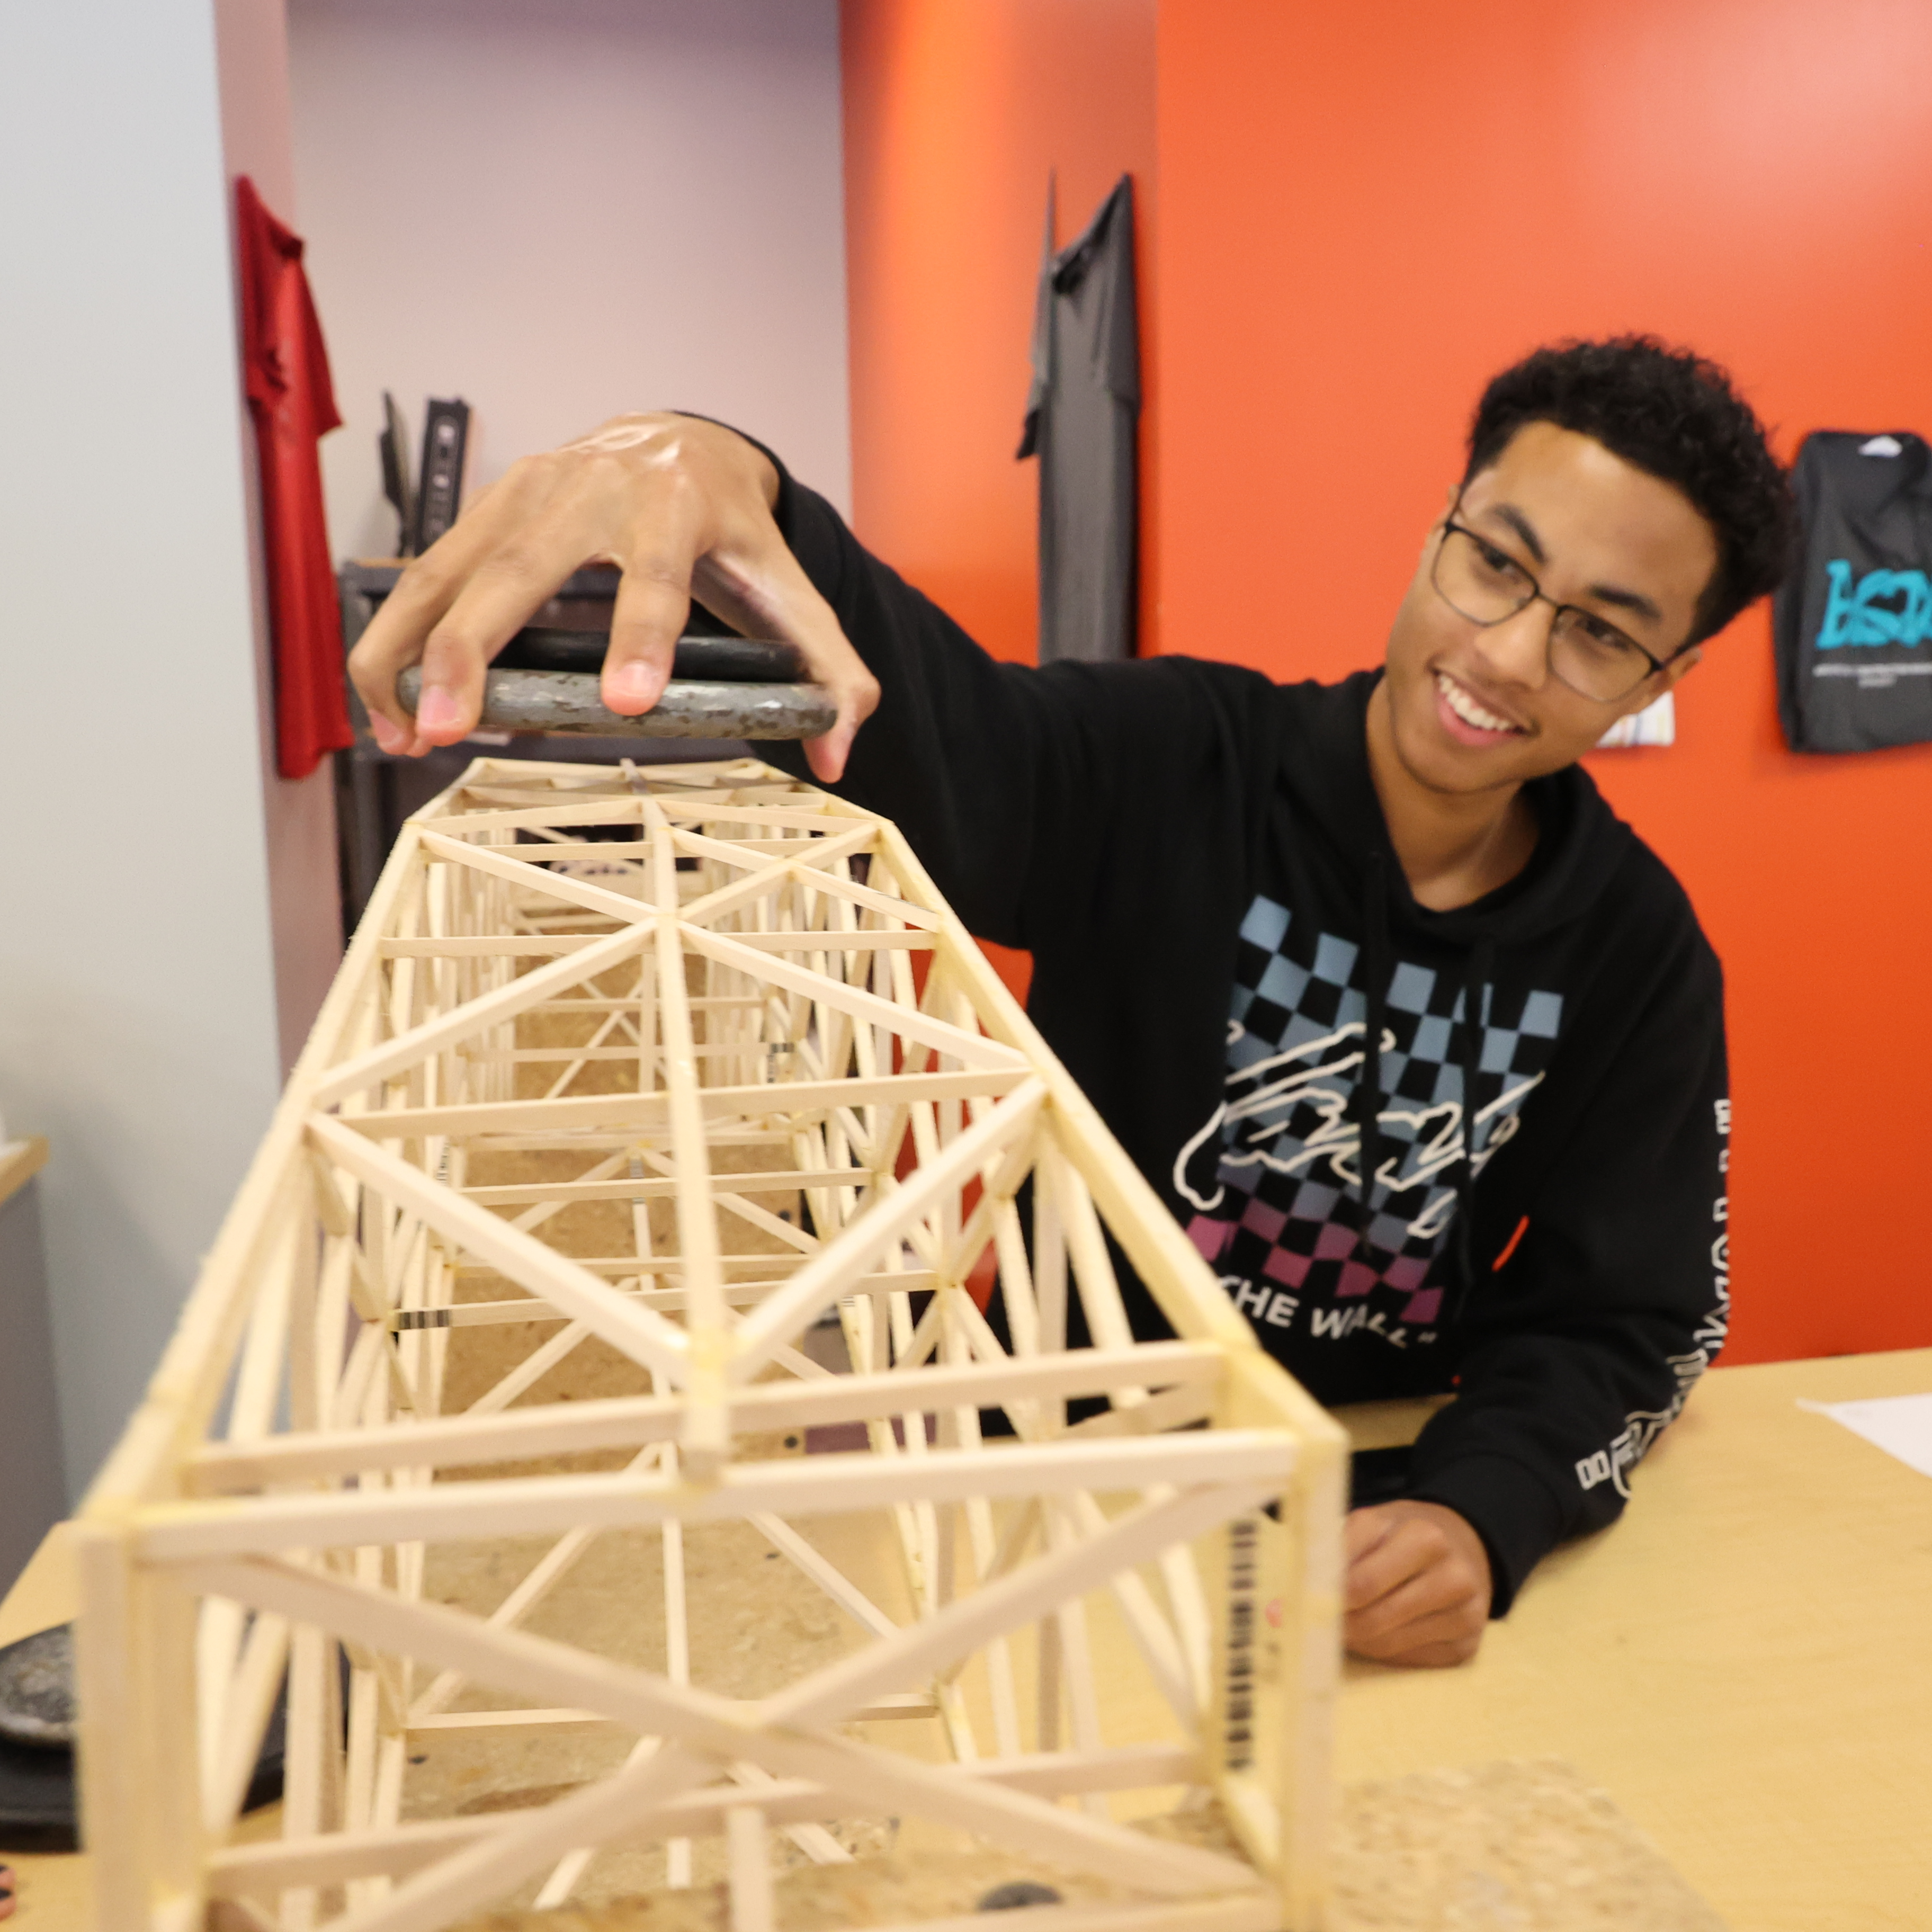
[[1197, 860]]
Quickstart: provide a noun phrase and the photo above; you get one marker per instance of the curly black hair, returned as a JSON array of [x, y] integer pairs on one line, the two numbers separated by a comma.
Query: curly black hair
[[1675, 415]]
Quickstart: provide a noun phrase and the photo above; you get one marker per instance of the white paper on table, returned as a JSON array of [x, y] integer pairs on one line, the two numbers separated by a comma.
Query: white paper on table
[[1901, 1425]]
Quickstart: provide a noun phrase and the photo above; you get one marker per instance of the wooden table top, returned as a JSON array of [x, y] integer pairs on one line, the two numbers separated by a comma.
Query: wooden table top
[[1744, 1663], [19, 1162]]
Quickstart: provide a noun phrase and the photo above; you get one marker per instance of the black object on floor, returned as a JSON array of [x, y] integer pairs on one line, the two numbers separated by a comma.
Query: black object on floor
[[1021, 1892], [38, 1804]]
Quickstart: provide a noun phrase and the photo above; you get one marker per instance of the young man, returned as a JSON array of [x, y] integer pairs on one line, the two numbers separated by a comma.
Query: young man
[[1422, 1044]]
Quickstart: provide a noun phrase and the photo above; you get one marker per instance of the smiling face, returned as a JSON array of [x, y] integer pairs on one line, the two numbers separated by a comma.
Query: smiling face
[[1475, 708]]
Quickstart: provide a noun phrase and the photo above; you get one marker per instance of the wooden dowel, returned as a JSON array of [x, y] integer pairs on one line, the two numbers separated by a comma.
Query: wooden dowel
[[1152, 1634], [1099, 1290], [971, 1050], [491, 1720], [217, 1646], [862, 940], [258, 1681], [827, 1576], [528, 1372], [550, 1570], [480, 1871], [619, 906], [118, 1754], [814, 1286], [446, 1029], [276, 1863], [927, 1648], [705, 1426], [310, 1753], [258, 1380], [633, 1331], [612, 811], [625, 1421], [487, 945], [632, 1112], [685, 811], [749, 1869], [765, 879], [188, 1531], [163, 1718], [780, 1181]]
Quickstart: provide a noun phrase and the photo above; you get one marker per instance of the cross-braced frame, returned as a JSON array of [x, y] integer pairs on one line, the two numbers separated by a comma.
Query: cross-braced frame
[[690, 1070]]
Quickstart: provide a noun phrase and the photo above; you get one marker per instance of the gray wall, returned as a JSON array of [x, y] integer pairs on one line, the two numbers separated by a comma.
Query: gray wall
[[563, 210], [33, 1484], [139, 1027]]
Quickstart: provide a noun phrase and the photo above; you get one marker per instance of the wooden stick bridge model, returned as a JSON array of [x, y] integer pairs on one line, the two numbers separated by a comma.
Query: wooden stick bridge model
[[721, 1026]]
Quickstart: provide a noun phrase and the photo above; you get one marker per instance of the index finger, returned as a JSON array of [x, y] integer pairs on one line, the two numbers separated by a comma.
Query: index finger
[[459, 603], [394, 637]]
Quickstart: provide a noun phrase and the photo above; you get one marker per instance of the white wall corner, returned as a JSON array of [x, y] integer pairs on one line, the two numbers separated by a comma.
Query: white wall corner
[[304, 891]]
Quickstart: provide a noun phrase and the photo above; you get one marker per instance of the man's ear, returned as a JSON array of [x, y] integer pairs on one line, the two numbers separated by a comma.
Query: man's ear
[[1658, 682], [1684, 661]]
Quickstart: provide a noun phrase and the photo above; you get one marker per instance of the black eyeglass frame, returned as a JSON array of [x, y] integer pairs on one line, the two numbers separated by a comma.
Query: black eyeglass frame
[[1537, 595]]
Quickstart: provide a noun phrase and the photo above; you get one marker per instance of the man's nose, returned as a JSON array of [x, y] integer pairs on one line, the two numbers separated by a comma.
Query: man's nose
[[1516, 651]]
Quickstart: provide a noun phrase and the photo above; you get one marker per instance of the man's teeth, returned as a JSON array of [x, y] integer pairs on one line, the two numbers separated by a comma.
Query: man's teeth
[[1466, 708]]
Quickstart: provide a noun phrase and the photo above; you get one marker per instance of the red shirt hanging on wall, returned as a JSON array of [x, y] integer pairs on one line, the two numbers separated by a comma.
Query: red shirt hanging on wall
[[286, 369]]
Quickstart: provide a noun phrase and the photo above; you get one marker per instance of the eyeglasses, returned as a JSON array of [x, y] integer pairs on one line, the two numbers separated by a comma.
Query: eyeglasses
[[1486, 585]]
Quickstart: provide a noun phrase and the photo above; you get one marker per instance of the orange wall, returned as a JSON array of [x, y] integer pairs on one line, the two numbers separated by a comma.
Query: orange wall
[[956, 111], [1365, 211]]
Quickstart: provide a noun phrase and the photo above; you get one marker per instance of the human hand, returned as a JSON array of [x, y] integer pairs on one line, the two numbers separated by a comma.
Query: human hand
[[680, 506], [1417, 1589]]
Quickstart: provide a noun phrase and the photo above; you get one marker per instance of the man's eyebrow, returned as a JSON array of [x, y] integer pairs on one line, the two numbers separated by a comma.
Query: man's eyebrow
[[1633, 601], [1509, 513], [1626, 600]]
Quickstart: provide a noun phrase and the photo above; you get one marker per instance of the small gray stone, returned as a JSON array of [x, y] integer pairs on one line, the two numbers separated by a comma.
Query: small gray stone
[[37, 1689], [1021, 1892]]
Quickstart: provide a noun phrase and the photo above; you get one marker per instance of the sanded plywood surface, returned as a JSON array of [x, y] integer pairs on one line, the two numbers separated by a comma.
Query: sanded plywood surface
[[1744, 1661], [1527, 1847], [1512, 1847]]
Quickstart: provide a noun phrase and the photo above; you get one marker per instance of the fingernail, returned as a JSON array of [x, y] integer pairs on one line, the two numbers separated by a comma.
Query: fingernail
[[386, 735], [436, 710], [631, 684]]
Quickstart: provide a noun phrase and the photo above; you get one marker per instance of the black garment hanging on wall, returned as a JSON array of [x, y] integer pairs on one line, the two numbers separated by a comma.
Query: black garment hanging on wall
[[1853, 621], [1081, 419]]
